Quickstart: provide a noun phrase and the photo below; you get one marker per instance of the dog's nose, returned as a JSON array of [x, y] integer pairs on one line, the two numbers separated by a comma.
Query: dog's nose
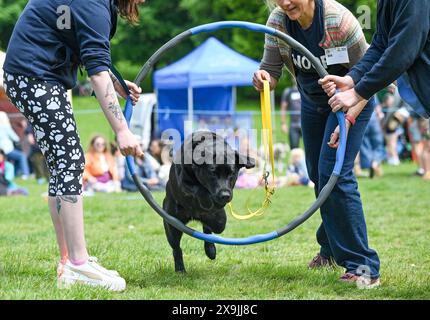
[[225, 196]]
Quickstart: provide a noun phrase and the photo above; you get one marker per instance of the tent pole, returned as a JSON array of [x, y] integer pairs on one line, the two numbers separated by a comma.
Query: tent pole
[[190, 110], [155, 112], [234, 96]]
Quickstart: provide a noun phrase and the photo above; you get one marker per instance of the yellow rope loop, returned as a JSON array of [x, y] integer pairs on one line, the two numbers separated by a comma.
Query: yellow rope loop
[[266, 116]]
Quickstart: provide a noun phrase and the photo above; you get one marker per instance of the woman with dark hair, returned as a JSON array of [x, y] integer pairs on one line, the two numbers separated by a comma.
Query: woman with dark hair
[[334, 35], [51, 40]]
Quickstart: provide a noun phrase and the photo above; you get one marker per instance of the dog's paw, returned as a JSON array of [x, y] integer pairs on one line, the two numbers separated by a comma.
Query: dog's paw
[[180, 269], [210, 250]]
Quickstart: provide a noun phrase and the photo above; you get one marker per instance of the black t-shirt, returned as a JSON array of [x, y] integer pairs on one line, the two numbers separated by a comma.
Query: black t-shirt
[[306, 75]]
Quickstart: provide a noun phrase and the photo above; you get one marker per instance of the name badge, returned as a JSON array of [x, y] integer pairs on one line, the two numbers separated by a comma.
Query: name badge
[[337, 55]]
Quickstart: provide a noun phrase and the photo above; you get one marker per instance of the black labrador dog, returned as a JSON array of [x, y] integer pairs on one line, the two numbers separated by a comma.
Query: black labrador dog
[[201, 182]]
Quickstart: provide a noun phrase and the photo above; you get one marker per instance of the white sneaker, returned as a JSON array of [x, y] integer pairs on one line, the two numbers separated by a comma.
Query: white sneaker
[[60, 268], [90, 273]]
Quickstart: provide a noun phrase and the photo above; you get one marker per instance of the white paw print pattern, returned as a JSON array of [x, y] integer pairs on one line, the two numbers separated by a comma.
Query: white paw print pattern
[[69, 125], [55, 91], [10, 78], [68, 177], [24, 95], [44, 146], [53, 103], [60, 189], [59, 150], [50, 159], [59, 115], [35, 106], [39, 90], [23, 83], [39, 132], [75, 154], [61, 164], [52, 189], [12, 93], [18, 104], [68, 108], [42, 117], [55, 135], [73, 188], [71, 141]]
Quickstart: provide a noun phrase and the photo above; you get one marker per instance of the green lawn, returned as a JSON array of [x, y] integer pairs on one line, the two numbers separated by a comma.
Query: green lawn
[[125, 234]]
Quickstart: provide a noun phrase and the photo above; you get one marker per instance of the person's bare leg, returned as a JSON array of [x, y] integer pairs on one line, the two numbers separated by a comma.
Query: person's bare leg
[[71, 213], [426, 160], [61, 240]]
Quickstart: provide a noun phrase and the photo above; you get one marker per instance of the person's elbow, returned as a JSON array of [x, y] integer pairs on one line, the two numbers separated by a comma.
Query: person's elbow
[[98, 77]]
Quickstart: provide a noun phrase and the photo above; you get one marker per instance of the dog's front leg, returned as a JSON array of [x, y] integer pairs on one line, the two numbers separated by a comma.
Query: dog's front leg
[[210, 248], [174, 237]]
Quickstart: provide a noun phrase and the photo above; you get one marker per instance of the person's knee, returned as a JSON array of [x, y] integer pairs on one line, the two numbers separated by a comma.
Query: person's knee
[[346, 185], [69, 182]]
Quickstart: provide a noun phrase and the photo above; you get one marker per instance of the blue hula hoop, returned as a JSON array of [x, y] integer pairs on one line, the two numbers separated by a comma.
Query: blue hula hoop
[[325, 192]]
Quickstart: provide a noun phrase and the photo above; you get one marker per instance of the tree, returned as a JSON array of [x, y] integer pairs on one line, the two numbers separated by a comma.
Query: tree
[[9, 13]]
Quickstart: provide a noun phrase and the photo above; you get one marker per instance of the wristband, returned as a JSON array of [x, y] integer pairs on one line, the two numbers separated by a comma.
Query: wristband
[[350, 118]]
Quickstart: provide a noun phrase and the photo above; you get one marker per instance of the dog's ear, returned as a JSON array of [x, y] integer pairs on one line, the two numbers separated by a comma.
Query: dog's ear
[[185, 179], [244, 161]]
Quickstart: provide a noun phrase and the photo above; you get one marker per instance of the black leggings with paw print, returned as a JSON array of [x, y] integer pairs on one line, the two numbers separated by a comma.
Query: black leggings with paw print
[[47, 109]]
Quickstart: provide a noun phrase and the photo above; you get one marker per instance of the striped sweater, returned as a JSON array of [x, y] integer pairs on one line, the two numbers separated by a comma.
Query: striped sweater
[[341, 29]]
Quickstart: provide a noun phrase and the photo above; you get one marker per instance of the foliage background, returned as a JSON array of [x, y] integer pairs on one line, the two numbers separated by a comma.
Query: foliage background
[[161, 20]]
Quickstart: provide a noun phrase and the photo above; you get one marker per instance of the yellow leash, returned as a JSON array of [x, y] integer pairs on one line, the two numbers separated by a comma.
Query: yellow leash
[[266, 113]]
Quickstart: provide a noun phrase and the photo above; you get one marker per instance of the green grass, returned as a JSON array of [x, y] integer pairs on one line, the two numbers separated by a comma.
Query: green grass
[[126, 235]]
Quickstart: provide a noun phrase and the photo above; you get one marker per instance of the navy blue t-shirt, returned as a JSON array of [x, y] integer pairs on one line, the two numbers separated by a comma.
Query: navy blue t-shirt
[[306, 75], [44, 45]]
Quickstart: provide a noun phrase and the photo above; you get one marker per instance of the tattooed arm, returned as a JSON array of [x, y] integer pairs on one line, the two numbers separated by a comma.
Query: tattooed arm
[[105, 92]]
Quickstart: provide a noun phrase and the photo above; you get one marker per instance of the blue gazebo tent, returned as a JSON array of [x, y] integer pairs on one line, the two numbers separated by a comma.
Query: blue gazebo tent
[[205, 80]]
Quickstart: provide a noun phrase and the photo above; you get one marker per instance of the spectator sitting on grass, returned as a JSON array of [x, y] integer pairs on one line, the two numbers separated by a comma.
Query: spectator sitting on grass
[[155, 149], [7, 139], [7, 174], [166, 163], [297, 174], [119, 160], [147, 174], [100, 172]]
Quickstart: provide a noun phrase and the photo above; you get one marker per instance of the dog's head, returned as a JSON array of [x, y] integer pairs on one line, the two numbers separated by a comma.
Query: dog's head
[[210, 165]]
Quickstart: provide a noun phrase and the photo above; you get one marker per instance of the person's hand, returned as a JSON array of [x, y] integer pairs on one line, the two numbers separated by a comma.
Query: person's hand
[[332, 83], [284, 128], [128, 144], [153, 181], [335, 136], [259, 77], [135, 91], [345, 100]]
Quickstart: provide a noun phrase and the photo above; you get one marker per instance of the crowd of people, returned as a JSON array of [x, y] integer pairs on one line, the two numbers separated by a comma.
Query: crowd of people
[[394, 133], [105, 170]]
